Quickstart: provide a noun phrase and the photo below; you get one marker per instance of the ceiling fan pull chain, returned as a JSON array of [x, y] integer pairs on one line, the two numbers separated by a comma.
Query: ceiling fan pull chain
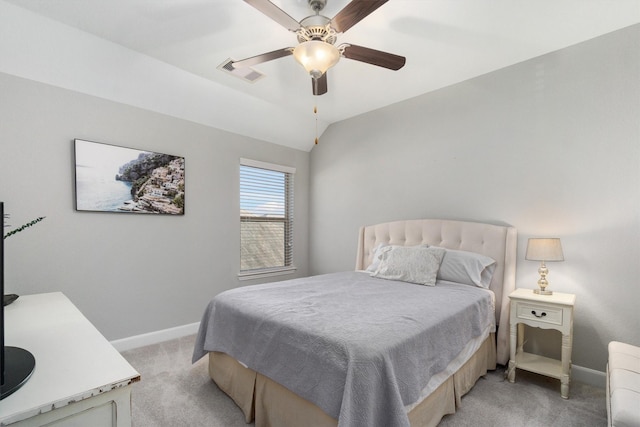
[[315, 112]]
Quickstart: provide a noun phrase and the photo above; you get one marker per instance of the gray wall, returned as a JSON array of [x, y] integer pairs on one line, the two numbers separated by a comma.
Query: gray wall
[[129, 274], [550, 146]]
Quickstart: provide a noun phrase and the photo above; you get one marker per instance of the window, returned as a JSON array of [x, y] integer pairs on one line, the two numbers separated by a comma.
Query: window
[[266, 219]]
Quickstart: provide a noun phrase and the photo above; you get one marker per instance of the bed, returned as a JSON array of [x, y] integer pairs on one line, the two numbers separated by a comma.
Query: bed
[[361, 348]]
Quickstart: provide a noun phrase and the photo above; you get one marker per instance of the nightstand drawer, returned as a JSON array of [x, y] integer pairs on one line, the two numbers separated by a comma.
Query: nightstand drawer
[[539, 313]]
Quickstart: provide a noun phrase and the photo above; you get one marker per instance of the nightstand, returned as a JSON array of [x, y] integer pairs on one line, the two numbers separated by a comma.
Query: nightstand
[[545, 312]]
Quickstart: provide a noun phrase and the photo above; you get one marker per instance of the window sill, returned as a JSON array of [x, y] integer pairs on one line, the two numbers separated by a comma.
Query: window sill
[[260, 274]]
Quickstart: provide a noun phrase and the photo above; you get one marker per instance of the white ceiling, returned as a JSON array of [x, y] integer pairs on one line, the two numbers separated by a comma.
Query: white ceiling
[[444, 41]]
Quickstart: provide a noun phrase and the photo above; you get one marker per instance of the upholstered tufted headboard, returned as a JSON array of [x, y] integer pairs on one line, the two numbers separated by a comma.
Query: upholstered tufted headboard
[[497, 242]]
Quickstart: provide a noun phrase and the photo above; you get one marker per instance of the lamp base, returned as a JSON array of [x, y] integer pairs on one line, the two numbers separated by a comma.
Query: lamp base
[[542, 292], [18, 367]]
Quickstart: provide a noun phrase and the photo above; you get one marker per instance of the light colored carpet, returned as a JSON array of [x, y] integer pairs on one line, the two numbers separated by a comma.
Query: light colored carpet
[[532, 401], [173, 393]]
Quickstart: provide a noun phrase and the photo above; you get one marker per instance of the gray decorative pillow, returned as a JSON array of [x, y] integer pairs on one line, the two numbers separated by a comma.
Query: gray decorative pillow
[[414, 264]]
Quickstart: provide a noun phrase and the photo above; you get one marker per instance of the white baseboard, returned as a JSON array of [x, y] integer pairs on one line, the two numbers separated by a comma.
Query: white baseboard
[[155, 337], [588, 376]]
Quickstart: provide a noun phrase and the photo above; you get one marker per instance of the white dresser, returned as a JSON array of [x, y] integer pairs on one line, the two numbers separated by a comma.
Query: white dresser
[[80, 379]]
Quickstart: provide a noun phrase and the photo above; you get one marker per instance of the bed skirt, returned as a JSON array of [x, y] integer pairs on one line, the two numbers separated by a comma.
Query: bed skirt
[[271, 405]]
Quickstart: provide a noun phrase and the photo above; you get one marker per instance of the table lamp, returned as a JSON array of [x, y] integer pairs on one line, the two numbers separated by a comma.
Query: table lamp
[[543, 250]]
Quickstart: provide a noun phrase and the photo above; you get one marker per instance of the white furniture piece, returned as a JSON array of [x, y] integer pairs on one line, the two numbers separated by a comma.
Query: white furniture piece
[[80, 379], [623, 385], [545, 312]]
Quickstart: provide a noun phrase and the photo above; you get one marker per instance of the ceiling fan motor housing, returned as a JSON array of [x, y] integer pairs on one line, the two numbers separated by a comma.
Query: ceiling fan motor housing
[[316, 27]]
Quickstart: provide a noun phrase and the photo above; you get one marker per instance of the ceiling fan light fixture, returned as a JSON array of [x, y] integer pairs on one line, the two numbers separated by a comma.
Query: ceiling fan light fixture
[[316, 56], [317, 35]]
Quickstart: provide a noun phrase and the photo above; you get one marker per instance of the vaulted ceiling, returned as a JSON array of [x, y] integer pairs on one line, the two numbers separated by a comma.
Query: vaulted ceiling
[[167, 53]]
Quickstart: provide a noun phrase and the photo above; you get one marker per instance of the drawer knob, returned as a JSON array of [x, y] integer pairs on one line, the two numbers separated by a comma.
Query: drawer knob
[[538, 315]]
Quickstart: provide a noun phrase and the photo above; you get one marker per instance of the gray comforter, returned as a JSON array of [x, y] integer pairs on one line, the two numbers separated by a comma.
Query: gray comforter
[[360, 348]]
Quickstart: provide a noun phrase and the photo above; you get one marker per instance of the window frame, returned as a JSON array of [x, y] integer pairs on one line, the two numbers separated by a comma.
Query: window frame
[[288, 220]]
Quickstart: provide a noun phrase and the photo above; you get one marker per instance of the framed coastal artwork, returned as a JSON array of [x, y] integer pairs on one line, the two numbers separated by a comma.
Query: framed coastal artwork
[[110, 178]]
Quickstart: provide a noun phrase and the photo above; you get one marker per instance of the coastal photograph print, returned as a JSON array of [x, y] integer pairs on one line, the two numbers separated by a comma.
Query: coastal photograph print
[[110, 178]]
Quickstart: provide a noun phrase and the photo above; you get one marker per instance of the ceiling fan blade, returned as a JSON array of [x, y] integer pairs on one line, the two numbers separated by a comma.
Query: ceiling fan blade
[[353, 13], [319, 85], [258, 59], [275, 13], [374, 57]]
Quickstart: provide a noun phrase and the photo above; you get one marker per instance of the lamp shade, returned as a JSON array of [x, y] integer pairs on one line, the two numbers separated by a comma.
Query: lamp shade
[[316, 56], [544, 249]]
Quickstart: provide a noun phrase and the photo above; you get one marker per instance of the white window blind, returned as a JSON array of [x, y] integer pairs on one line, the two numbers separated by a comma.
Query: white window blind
[[266, 218]]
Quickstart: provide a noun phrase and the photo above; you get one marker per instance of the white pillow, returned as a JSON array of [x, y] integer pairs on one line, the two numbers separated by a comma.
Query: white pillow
[[414, 264], [377, 253], [467, 267]]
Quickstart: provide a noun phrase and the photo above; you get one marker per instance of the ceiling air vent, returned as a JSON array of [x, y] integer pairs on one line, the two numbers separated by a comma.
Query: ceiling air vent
[[247, 74]]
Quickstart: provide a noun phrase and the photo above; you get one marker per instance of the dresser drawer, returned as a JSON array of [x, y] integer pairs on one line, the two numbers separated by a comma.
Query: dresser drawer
[[539, 313]]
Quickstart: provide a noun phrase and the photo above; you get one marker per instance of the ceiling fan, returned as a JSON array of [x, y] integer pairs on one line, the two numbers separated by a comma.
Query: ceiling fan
[[317, 35]]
